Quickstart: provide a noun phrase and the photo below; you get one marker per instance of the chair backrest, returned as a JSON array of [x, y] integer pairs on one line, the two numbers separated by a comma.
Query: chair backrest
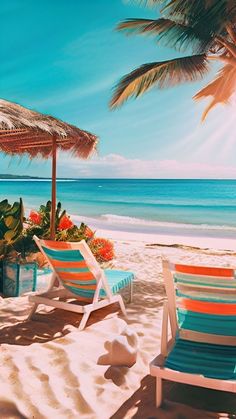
[[74, 265], [201, 302]]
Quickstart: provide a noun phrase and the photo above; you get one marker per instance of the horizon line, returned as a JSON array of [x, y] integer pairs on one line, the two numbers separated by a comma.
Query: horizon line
[[28, 177]]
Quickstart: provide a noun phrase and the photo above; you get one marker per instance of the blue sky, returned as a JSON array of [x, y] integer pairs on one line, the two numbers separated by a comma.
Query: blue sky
[[63, 58]]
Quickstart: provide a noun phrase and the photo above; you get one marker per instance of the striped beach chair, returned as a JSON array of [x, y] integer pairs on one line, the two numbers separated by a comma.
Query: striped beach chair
[[77, 275], [201, 311]]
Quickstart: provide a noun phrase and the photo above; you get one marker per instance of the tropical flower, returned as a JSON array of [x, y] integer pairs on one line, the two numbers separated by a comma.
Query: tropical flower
[[35, 217], [65, 223], [102, 249], [88, 232]]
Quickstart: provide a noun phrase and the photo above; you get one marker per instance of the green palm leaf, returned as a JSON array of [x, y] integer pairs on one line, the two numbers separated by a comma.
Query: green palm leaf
[[207, 26], [221, 88], [185, 6], [168, 32], [159, 74], [206, 16]]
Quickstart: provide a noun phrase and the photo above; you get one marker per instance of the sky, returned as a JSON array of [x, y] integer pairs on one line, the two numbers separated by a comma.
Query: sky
[[64, 57]]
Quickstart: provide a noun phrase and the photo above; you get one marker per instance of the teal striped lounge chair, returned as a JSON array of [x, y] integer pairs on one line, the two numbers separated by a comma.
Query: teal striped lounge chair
[[201, 309], [77, 275]]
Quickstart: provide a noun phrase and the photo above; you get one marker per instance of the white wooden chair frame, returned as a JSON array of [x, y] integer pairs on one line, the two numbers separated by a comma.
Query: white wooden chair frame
[[48, 297], [157, 368]]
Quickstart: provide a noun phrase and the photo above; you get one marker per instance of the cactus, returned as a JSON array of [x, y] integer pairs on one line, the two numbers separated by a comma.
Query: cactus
[[11, 220], [45, 212]]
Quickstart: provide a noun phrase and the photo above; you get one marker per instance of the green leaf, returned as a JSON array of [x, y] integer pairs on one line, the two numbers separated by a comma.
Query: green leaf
[[9, 235], [159, 74], [204, 15], [48, 206], [4, 206], [10, 221], [61, 216], [167, 32], [58, 209]]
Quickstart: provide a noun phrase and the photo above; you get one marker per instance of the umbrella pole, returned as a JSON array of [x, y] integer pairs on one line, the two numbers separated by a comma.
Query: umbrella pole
[[53, 209]]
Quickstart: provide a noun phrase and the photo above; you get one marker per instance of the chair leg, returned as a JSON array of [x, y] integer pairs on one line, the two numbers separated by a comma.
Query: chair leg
[[122, 306], [84, 320], [158, 391], [131, 292], [32, 311]]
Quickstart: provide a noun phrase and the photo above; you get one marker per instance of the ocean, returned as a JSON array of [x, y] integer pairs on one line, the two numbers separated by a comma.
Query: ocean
[[166, 206]]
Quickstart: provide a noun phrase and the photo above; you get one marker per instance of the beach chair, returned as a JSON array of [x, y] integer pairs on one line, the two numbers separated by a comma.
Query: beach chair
[[201, 311], [77, 275]]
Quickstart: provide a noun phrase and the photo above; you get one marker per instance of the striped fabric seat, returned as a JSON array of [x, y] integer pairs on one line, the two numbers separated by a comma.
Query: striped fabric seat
[[215, 324], [206, 300], [76, 276], [117, 280], [72, 269], [202, 311], [209, 360], [78, 272], [206, 305]]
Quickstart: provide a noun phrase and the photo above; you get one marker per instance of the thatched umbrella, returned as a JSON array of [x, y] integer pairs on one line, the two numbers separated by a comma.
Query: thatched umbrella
[[23, 131]]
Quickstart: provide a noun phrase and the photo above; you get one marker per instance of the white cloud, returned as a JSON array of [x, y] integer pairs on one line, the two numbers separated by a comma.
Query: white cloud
[[118, 166]]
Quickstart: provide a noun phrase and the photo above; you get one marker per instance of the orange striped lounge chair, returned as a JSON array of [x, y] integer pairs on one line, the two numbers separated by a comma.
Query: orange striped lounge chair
[[77, 275], [201, 311]]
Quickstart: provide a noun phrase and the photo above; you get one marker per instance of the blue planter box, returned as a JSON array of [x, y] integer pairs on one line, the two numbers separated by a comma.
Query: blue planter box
[[18, 278]]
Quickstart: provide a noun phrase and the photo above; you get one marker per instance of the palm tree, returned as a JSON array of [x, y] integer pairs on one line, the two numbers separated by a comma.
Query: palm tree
[[206, 28]]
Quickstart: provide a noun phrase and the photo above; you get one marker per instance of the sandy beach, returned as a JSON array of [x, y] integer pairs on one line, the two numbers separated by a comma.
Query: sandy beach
[[50, 370], [117, 129]]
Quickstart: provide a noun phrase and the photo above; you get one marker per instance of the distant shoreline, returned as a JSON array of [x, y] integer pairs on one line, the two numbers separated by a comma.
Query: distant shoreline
[[27, 177], [36, 180], [24, 177]]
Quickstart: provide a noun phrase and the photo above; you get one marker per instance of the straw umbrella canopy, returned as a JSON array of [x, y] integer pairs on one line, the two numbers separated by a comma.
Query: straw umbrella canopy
[[23, 131]]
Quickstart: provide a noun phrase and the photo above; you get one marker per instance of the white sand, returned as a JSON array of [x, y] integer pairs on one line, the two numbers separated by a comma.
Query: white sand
[[50, 370], [201, 242]]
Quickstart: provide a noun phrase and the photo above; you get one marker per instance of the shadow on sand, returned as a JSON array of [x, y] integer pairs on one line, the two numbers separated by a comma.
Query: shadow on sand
[[180, 402], [46, 327]]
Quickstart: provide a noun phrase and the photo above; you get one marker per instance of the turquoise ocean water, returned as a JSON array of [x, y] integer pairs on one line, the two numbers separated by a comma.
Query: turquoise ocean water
[[180, 207]]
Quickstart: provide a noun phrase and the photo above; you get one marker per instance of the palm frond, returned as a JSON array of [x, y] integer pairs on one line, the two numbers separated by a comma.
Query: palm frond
[[188, 8], [221, 88], [147, 3], [159, 74], [209, 3], [168, 32], [207, 16], [229, 4]]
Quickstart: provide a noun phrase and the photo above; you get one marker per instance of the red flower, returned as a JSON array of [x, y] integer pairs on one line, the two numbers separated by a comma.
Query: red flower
[[65, 223], [103, 249], [35, 217], [88, 232]]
